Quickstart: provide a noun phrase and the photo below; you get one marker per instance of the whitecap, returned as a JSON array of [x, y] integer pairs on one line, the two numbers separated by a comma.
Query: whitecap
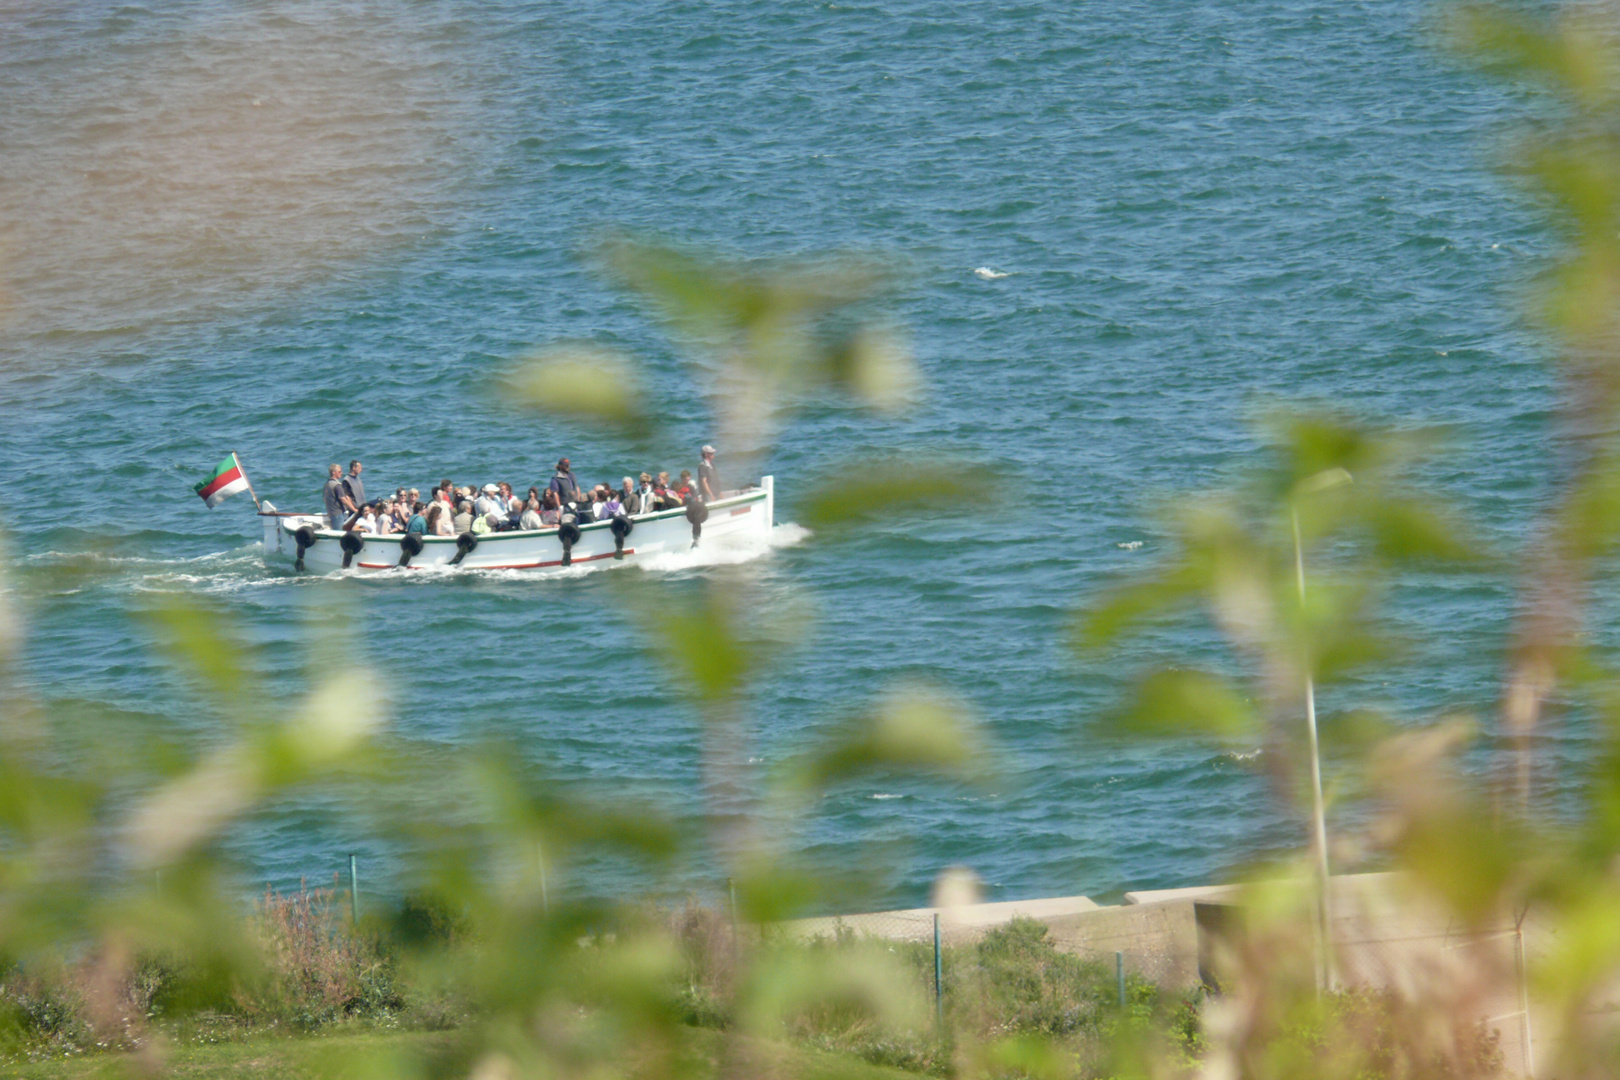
[[988, 274], [1129, 545], [883, 795]]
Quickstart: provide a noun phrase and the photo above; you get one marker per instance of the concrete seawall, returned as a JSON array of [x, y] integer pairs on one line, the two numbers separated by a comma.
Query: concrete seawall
[[1180, 938]]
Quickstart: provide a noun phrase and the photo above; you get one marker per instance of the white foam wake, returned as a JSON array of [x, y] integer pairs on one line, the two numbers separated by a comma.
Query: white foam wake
[[988, 274]]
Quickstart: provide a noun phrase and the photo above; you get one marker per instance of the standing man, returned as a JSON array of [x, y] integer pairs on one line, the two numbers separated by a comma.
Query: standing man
[[334, 497], [353, 488], [565, 483], [708, 477]]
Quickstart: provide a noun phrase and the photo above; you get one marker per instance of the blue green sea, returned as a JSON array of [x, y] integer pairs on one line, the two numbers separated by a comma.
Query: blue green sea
[[310, 232]]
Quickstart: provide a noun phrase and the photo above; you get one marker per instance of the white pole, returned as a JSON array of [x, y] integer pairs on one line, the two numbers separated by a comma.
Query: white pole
[[1324, 942]]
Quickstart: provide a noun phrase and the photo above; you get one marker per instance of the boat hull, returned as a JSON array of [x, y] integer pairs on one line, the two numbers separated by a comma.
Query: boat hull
[[746, 513]]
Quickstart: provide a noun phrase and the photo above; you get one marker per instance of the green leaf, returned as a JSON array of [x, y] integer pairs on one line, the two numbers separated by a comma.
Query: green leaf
[[1183, 702], [884, 490]]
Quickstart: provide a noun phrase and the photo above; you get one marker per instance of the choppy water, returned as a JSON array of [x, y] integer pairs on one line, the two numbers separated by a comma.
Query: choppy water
[[314, 231]]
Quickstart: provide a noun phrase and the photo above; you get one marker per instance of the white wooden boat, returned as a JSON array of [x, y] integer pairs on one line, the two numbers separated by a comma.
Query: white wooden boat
[[310, 544]]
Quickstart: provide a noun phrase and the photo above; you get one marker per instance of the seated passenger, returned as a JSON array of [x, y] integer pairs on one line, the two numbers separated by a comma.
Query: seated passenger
[[550, 510], [463, 519], [417, 523], [531, 515], [489, 502], [646, 501], [684, 489], [367, 522], [486, 523], [612, 505], [438, 520], [385, 518]]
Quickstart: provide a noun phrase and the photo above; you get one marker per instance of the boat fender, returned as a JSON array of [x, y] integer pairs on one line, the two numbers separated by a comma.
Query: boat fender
[[351, 543], [305, 535], [464, 546], [621, 529], [568, 533], [697, 512], [410, 546]]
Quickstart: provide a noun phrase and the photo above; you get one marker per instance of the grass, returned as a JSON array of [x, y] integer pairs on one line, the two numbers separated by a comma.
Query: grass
[[366, 1053]]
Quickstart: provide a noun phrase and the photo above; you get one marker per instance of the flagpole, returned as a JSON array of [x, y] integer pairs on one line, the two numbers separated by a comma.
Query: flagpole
[[251, 492]]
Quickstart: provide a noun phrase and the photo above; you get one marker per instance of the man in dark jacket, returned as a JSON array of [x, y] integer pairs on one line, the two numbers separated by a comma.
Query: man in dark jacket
[[565, 483]]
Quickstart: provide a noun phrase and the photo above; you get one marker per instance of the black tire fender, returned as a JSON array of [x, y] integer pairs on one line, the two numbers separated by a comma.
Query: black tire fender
[[622, 526], [410, 546], [465, 544], [568, 533], [304, 535], [351, 543]]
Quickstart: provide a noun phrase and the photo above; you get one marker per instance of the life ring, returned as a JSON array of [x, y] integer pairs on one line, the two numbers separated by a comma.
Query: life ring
[[305, 536], [351, 543], [621, 526], [410, 546], [568, 533], [465, 543]]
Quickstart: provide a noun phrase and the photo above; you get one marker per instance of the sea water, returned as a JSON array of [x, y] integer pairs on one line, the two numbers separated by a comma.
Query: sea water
[[310, 232]]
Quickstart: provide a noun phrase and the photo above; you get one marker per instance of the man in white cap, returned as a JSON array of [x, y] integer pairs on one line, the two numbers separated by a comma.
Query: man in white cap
[[489, 502], [708, 477]]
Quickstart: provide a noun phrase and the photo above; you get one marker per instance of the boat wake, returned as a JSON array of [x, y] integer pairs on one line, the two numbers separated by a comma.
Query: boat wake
[[228, 572]]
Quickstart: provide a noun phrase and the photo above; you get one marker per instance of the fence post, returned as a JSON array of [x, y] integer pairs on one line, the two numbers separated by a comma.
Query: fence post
[[1524, 998], [939, 978], [354, 890], [731, 886], [540, 861], [1119, 973]]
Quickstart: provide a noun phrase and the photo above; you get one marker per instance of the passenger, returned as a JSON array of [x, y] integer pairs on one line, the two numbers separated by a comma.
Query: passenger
[[684, 489], [439, 520], [417, 523], [338, 504], [508, 499], [534, 496], [627, 496], [488, 502], [550, 510], [645, 503], [565, 484], [446, 492], [485, 523], [353, 487], [368, 520], [513, 518], [385, 518], [531, 515], [662, 498], [612, 505], [708, 477], [463, 519]]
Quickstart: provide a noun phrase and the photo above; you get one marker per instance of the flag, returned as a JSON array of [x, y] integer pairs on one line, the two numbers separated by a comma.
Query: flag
[[227, 480]]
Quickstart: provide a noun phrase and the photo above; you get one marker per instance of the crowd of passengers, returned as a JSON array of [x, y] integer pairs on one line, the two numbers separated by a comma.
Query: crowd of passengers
[[450, 510]]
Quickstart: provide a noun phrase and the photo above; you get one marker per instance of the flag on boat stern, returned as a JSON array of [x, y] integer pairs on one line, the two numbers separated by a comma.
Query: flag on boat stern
[[227, 480]]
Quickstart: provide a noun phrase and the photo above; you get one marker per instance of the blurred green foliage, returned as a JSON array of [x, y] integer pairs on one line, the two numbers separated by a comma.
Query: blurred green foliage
[[117, 907]]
